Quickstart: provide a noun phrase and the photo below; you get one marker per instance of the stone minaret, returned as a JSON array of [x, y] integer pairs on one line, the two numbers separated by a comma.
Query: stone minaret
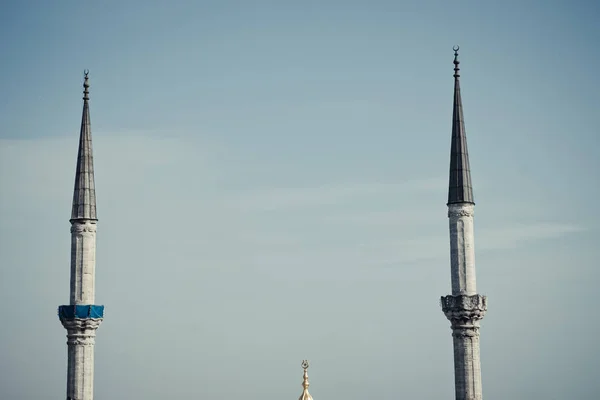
[[464, 308], [81, 317]]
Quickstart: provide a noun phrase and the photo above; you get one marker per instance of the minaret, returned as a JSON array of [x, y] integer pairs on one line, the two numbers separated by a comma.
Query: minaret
[[464, 308], [305, 395], [81, 317]]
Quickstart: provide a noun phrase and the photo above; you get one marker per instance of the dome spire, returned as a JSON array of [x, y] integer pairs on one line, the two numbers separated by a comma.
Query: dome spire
[[84, 196], [460, 189], [305, 395]]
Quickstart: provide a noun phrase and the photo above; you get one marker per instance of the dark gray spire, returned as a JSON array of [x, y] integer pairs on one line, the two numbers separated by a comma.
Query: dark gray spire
[[84, 196], [460, 188]]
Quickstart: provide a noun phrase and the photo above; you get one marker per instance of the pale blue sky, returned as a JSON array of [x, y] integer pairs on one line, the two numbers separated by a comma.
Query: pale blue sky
[[271, 180]]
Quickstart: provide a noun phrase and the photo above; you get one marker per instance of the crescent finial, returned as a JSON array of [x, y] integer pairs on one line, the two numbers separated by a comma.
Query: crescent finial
[[305, 364], [456, 62]]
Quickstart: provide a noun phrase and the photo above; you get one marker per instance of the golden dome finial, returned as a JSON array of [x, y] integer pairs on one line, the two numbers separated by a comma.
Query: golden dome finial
[[305, 395]]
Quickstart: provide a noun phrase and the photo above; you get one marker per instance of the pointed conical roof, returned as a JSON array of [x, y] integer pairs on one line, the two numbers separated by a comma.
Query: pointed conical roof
[[84, 195], [460, 188], [305, 395]]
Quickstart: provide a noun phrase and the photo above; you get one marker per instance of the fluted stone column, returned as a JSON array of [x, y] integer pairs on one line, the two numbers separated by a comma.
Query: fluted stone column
[[464, 308], [81, 337], [464, 313], [83, 262], [462, 248], [81, 318]]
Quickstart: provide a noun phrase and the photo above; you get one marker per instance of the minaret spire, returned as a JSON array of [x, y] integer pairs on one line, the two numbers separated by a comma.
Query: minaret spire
[[305, 395], [82, 317], [464, 307], [460, 189], [84, 195]]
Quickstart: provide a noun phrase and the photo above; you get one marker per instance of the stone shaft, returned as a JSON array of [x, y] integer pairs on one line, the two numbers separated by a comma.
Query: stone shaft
[[464, 313], [462, 249], [81, 329], [83, 262], [81, 334]]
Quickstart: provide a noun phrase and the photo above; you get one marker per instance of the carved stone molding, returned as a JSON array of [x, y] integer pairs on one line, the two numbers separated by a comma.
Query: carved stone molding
[[81, 340], [80, 324], [464, 302], [461, 332], [80, 331], [460, 210], [464, 311], [81, 227]]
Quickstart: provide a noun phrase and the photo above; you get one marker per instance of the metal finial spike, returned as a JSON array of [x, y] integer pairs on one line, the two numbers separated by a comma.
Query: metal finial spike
[[86, 85], [305, 395], [456, 62], [305, 383]]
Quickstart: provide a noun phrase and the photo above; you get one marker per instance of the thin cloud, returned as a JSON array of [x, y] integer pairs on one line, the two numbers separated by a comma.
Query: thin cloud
[[516, 234], [42, 167], [325, 195], [278, 248], [437, 247], [389, 218]]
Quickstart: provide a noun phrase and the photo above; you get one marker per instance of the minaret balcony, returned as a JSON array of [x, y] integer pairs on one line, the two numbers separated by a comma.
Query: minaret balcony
[[79, 311], [464, 309]]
